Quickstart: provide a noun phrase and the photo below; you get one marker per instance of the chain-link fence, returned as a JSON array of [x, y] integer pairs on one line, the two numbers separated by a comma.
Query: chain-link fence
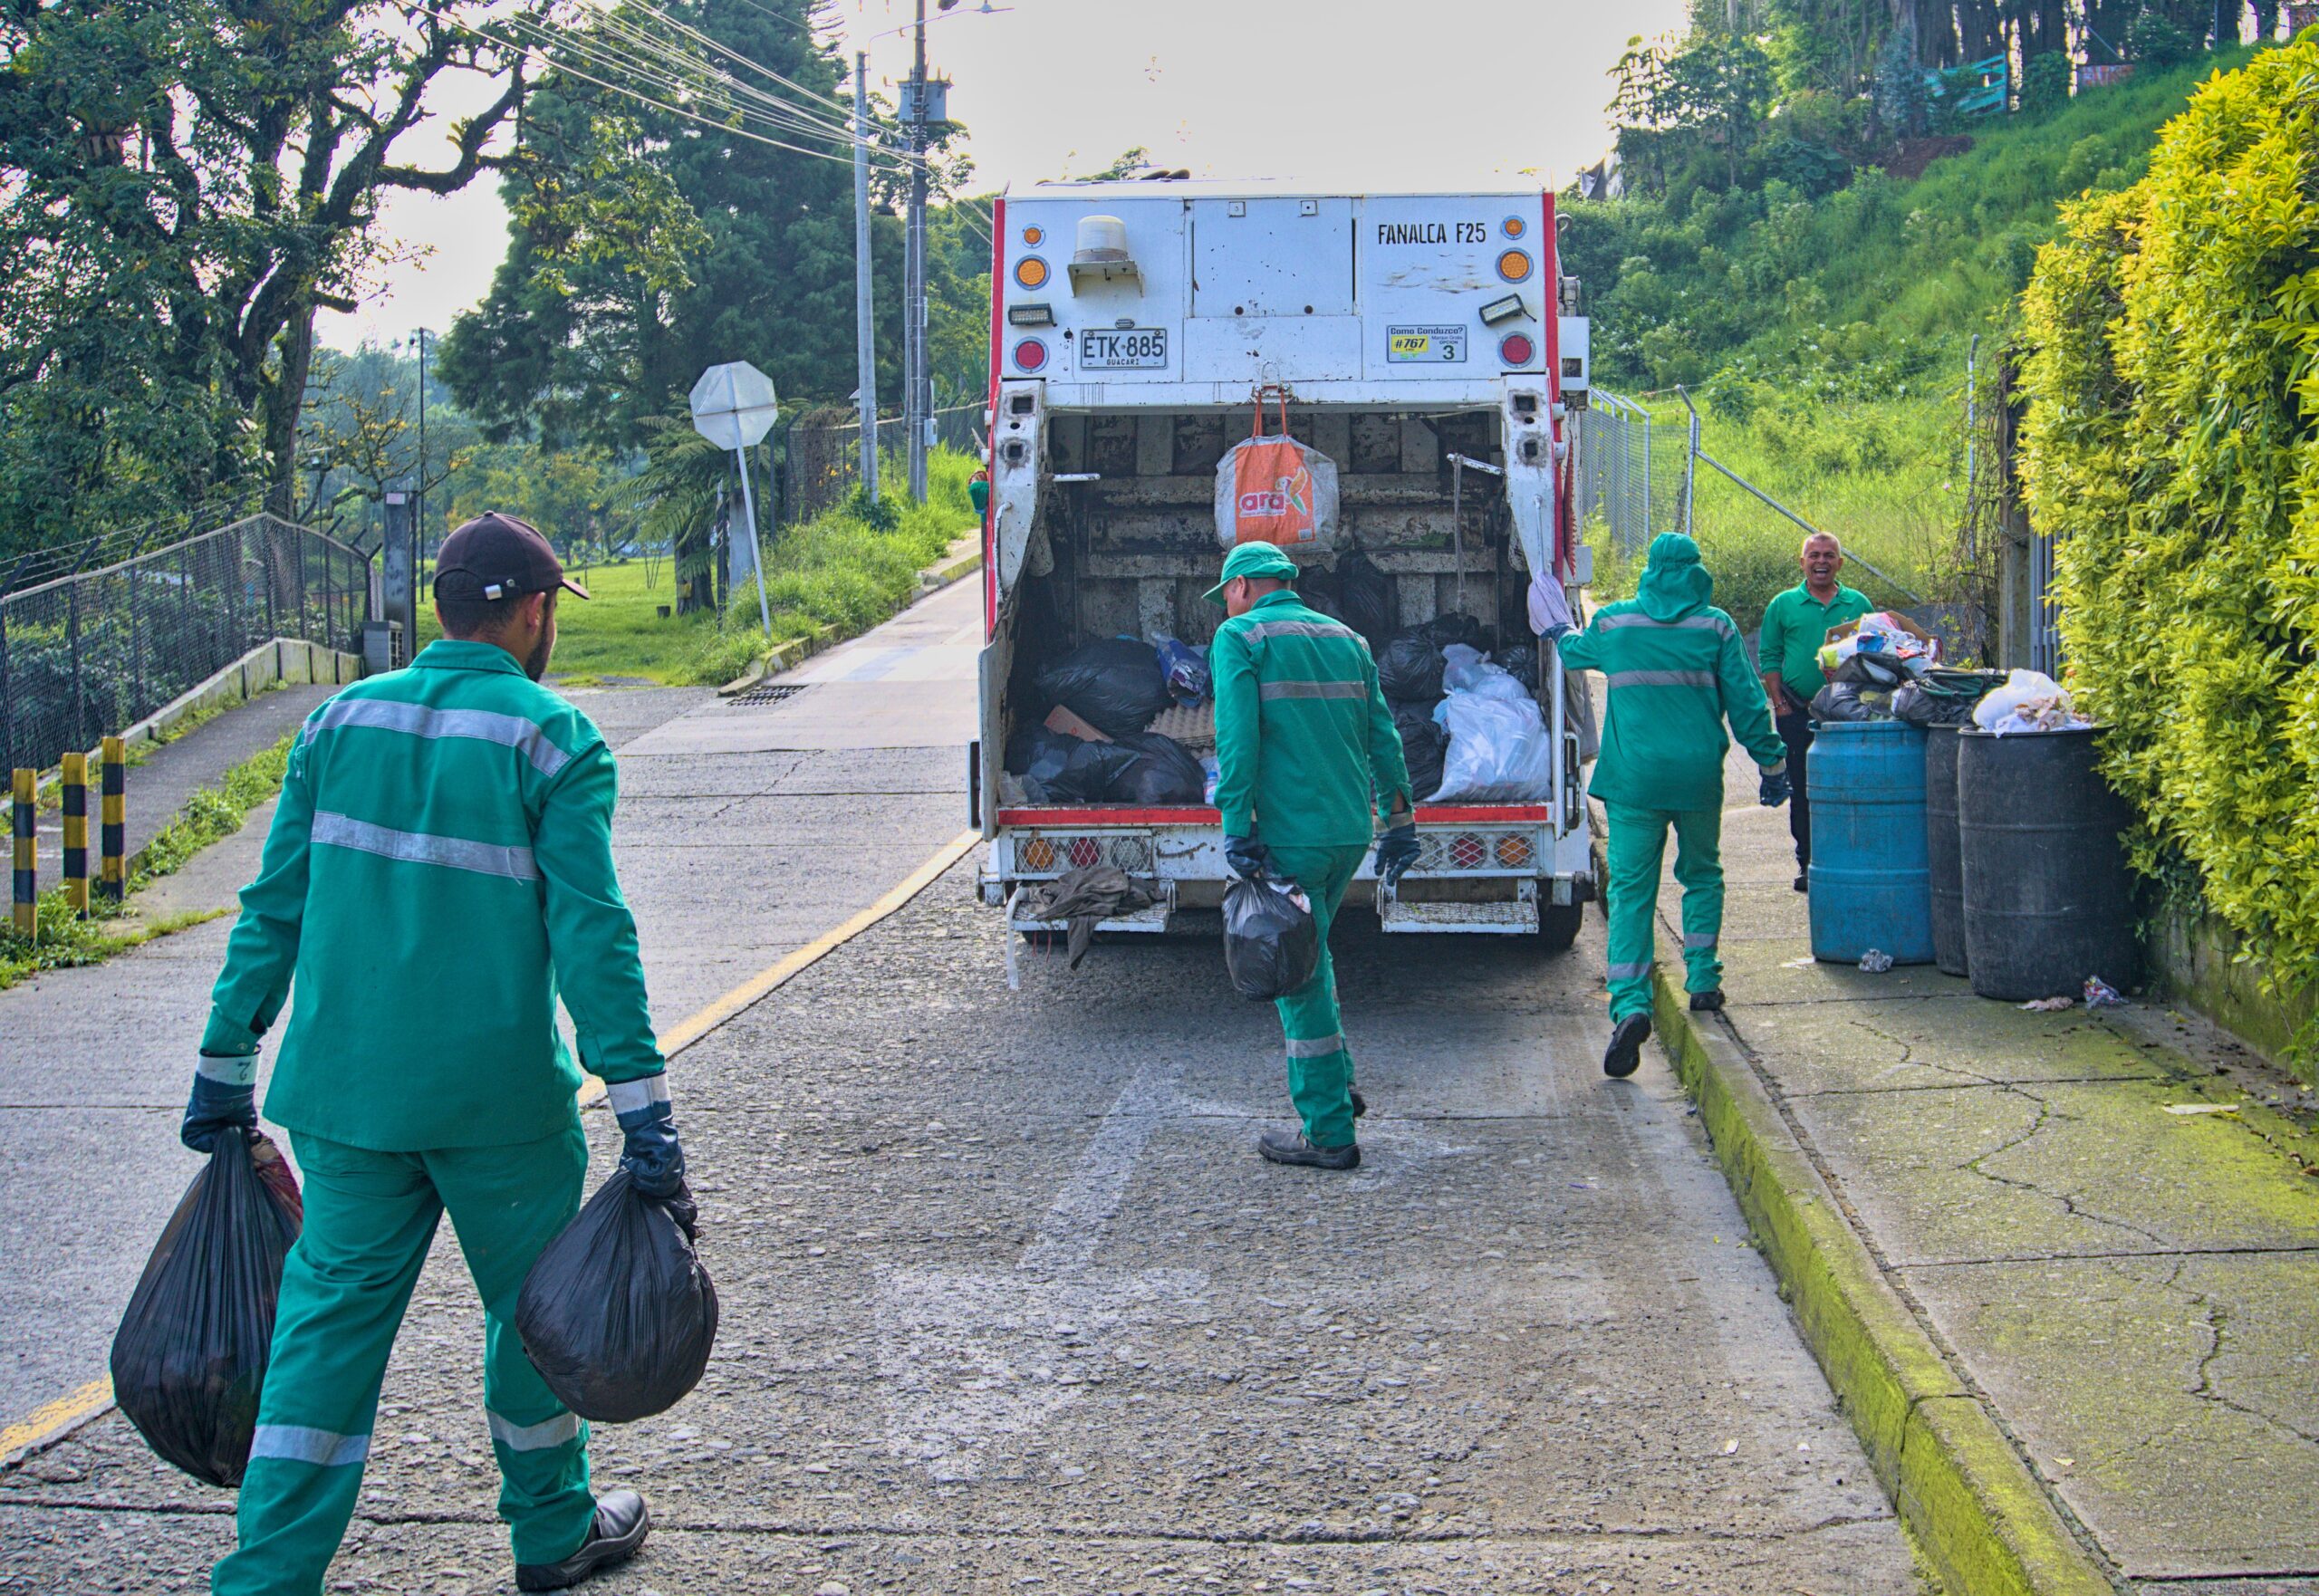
[[1629, 471], [89, 654], [825, 460]]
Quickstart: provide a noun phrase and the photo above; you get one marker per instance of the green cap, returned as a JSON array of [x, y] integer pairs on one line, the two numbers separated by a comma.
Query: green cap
[[1252, 560]]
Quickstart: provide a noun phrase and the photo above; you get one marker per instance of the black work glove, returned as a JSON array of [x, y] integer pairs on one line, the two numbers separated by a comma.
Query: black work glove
[[1249, 858], [224, 1098], [1396, 851], [1775, 790], [653, 1158]]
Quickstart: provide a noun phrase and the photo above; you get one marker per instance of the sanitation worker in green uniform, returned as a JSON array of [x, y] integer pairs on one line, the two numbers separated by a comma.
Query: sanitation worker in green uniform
[[1677, 672], [1307, 760], [438, 873]]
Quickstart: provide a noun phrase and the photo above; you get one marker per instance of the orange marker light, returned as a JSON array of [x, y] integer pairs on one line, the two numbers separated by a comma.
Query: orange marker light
[[1513, 265], [1516, 226], [1031, 272], [1034, 236]]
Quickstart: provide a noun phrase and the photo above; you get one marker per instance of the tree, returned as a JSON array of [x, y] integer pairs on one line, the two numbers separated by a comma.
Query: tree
[[182, 182]]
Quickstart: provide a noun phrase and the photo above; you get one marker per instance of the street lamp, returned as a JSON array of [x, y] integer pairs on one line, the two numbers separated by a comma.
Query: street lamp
[[418, 340]]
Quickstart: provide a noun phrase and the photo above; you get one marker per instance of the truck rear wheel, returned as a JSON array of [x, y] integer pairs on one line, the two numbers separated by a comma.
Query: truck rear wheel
[[1558, 925]]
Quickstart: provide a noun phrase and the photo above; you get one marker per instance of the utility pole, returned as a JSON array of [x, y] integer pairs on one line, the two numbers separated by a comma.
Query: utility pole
[[418, 518], [916, 410], [865, 346]]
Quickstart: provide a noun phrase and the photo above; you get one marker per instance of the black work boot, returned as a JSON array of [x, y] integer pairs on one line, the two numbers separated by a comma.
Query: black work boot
[[1625, 1051], [618, 1530], [1803, 880], [1359, 1103], [1289, 1147], [1707, 1003]]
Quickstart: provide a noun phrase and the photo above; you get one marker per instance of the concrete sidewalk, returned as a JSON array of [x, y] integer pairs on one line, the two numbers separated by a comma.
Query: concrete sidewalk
[[2104, 1224]]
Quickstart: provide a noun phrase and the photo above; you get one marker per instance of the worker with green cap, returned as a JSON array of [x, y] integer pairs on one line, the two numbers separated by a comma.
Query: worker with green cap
[[1677, 672], [438, 873], [1305, 749]]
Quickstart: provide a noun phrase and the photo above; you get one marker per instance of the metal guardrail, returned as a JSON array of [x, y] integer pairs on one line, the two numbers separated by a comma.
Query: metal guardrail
[[89, 654]]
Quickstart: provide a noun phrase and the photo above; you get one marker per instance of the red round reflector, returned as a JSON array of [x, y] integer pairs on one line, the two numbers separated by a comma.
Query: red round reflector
[[1030, 355], [1516, 350]]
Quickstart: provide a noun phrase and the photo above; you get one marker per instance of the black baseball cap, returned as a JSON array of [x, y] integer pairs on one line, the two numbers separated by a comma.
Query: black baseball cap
[[507, 555]]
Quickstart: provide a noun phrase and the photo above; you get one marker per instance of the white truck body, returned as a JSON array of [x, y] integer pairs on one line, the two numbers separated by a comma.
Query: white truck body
[[1421, 342]]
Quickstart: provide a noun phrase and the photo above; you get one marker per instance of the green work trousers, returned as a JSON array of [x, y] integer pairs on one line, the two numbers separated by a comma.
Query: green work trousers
[[370, 1218], [1320, 1065], [1638, 842]]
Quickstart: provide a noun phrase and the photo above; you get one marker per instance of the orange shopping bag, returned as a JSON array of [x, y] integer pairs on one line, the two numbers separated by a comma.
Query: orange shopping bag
[[1273, 489]]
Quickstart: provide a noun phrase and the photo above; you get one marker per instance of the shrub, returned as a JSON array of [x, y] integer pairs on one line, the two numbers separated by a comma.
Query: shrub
[[2171, 445]]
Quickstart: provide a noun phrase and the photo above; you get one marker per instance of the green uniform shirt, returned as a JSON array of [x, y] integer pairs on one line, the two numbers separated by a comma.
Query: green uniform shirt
[[439, 864], [1305, 742], [1795, 626], [1677, 671]]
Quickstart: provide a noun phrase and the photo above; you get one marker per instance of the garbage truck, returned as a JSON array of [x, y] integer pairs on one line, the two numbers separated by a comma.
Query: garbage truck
[[1428, 345]]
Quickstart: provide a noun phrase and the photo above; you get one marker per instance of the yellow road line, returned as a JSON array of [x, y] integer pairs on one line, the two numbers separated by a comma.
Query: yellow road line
[[692, 1028], [47, 1423]]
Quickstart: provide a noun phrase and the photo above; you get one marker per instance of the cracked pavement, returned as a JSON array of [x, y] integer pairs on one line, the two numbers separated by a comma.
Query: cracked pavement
[[2128, 1286], [1010, 1304]]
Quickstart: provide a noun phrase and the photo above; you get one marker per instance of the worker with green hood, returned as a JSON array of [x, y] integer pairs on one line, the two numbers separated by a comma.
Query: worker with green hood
[[1677, 671], [1305, 749]]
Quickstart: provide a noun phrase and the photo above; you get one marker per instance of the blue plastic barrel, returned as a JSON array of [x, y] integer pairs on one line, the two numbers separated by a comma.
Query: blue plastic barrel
[[1870, 881]]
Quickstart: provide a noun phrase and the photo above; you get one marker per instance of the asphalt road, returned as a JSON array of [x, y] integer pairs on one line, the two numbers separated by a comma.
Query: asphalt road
[[1010, 1303]]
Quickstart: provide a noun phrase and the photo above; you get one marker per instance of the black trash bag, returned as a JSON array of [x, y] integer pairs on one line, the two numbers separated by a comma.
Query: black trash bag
[[1851, 701], [1520, 662], [1093, 771], [1366, 595], [1873, 669], [1320, 602], [1164, 773], [1410, 668], [1039, 755], [1270, 945], [189, 1358], [1945, 697], [1113, 684], [618, 1315], [1455, 626], [1424, 746]]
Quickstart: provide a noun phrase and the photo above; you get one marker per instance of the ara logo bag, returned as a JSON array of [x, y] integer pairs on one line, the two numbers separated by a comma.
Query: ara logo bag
[[1272, 489]]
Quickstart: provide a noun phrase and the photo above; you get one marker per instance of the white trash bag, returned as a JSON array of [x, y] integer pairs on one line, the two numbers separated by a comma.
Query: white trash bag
[[1500, 751], [1469, 670], [2029, 701]]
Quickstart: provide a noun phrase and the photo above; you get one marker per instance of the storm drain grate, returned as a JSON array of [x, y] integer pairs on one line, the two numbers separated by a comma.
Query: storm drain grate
[[771, 695]]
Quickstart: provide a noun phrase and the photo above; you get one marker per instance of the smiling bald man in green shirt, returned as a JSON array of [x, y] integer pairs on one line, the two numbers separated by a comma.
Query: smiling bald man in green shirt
[[1788, 651]]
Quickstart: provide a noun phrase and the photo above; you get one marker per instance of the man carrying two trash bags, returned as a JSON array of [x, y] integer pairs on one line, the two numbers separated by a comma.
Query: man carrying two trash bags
[[438, 873]]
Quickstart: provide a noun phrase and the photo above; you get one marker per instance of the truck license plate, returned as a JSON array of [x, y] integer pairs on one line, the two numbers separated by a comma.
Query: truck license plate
[[1127, 349], [1425, 344]]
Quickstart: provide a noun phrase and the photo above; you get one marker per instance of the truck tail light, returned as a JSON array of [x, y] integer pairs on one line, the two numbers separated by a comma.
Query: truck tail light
[[1516, 350], [1031, 272], [1513, 265], [1030, 355]]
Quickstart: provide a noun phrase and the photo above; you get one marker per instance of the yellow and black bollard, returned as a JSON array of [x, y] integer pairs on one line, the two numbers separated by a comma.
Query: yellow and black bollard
[[76, 784], [27, 871], [113, 829]]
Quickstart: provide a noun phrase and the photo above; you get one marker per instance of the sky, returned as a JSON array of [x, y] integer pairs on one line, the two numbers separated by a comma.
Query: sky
[[1372, 95]]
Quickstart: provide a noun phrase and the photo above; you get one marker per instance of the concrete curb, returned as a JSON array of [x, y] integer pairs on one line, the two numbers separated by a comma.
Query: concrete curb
[[957, 567], [1977, 1514]]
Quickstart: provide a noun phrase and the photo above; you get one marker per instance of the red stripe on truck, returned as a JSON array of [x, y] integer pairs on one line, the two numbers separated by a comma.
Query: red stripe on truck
[[990, 417]]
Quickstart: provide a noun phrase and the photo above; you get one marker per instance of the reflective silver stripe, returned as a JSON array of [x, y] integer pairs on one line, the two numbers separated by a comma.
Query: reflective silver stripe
[[628, 1096], [232, 1071], [1698, 939], [322, 1447], [1314, 691], [1300, 628], [563, 1429], [1315, 1047], [1714, 623], [485, 726], [1660, 678], [486, 859], [1628, 971]]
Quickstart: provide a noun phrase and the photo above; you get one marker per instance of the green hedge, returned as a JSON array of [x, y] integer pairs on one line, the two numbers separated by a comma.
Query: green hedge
[[2172, 444]]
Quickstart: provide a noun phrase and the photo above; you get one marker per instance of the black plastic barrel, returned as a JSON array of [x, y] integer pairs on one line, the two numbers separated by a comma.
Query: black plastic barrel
[[1942, 850], [2047, 901]]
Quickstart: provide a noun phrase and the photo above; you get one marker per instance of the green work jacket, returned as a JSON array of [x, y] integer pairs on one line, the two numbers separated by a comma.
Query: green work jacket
[[1677, 671], [1304, 743], [440, 864], [1795, 626]]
